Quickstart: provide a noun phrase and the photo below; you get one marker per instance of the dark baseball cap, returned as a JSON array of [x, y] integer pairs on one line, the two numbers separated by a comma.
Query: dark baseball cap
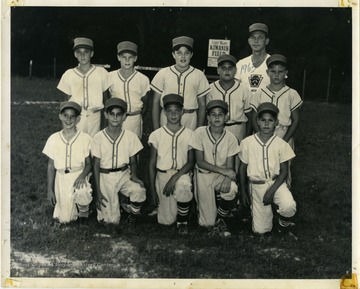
[[173, 99], [276, 58], [226, 57], [217, 103], [183, 41], [116, 102], [267, 107], [82, 42], [127, 46], [70, 104], [258, 27]]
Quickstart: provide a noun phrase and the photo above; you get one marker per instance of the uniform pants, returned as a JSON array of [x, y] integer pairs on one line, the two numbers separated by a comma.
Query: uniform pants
[[167, 209], [206, 186], [89, 122], [110, 185], [134, 123], [263, 215], [188, 120], [65, 208]]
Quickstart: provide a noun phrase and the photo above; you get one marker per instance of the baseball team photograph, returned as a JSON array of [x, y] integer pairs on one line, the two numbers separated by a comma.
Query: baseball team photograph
[[181, 144]]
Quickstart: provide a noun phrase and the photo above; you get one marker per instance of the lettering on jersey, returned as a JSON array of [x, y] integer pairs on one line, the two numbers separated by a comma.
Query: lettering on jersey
[[247, 68], [255, 80]]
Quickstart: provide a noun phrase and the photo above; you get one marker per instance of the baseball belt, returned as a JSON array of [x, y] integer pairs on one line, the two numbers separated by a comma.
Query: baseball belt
[[162, 171], [189, 110], [69, 170], [106, 171], [133, 113], [258, 182]]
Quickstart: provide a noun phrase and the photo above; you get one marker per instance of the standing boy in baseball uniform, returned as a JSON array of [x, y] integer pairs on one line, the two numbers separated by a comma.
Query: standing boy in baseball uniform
[[286, 99], [86, 85], [236, 95], [184, 80], [68, 167], [251, 70], [171, 163], [114, 151], [215, 151], [264, 160], [131, 86]]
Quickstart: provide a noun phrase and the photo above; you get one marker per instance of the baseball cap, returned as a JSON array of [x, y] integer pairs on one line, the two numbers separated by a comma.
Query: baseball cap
[[115, 101], [226, 57], [127, 46], [276, 58], [70, 104], [82, 42], [183, 40], [258, 27], [173, 99], [267, 107], [217, 103]]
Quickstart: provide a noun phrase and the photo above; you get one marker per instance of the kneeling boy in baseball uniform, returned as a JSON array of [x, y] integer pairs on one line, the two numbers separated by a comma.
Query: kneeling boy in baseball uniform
[[114, 151], [264, 160], [68, 167], [171, 162], [215, 151]]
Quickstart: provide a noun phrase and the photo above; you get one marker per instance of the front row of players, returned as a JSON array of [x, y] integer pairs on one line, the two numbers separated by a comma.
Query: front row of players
[[176, 153]]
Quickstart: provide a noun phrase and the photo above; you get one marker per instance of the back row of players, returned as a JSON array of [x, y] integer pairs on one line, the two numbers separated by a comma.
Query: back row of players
[[182, 101]]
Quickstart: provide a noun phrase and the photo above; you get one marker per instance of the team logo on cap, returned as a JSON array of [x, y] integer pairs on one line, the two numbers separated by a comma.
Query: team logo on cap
[[255, 80]]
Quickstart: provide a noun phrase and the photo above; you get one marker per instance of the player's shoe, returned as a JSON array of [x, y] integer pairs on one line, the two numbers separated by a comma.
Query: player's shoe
[[287, 228], [221, 229], [84, 222], [131, 222], [182, 229]]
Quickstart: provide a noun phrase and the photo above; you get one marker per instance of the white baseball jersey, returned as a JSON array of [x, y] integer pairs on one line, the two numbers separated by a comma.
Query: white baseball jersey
[[131, 89], [216, 152], [286, 100], [69, 162], [237, 98], [190, 84], [172, 154], [263, 164], [253, 77], [116, 154], [85, 89]]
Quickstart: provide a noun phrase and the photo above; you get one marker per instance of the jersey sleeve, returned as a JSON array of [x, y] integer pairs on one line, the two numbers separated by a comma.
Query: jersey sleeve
[[195, 141], [105, 79], [64, 83], [295, 100], [145, 84], [233, 145], [157, 83], [203, 85], [244, 151], [135, 144], [247, 99], [286, 152], [153, 139], [48, 148], [255, 100], [95, 145]]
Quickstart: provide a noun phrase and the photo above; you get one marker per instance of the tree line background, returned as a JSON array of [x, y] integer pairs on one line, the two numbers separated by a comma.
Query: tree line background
[[318, 40]]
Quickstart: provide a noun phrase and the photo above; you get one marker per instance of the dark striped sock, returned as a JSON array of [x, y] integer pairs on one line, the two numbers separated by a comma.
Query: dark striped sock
[[135, 208], [183, 211], [223, 209]]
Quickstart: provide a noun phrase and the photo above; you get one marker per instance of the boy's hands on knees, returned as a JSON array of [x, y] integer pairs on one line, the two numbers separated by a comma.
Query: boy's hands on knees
[[79, 182], [225, 185], [51, 197], [229, 173], [100, 198], [268, 197], [170, 186]]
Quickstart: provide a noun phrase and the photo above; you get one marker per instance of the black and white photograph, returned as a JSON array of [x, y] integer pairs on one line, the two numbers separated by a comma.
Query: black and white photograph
[[180, 146]]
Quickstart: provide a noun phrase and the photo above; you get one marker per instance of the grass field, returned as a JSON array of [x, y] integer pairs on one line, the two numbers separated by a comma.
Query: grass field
[[321, 186]]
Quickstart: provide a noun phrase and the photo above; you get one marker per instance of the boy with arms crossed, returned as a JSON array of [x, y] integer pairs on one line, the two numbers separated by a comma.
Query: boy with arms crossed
[[114, 151], [171, 162], [68, 167], [264, 160], [86, 85], [215, 151]]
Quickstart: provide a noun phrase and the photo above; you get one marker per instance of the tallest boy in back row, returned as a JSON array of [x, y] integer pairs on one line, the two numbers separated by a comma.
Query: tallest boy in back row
[[184, 80], [86, 85]]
